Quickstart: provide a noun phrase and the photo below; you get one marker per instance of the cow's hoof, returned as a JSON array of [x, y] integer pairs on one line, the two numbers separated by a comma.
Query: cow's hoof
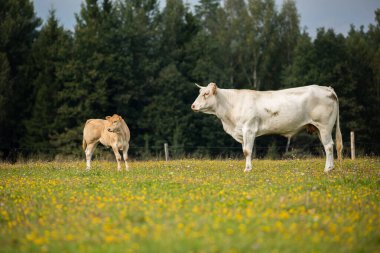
[[327, 170], [247, 169], [88, 168]]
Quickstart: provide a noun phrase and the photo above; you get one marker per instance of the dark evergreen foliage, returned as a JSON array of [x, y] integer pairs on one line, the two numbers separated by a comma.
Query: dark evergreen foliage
[[132, 58], [18, 31]]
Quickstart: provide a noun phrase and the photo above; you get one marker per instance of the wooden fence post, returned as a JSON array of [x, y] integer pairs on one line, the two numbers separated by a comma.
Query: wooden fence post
[[352, 145], [166, 148]]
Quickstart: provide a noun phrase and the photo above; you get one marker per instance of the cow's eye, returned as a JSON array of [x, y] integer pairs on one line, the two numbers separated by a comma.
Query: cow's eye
[[206, 94]]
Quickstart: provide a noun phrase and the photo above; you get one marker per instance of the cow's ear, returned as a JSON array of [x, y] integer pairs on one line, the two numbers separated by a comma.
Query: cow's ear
[[213, 88]]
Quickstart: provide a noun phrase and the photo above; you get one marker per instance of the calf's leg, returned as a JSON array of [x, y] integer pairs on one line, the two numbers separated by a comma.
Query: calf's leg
[[89, 151], [125, 156], [118, 156]]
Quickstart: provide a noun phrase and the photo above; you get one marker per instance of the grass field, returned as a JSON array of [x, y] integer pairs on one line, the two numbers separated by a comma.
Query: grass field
[[190, 206]]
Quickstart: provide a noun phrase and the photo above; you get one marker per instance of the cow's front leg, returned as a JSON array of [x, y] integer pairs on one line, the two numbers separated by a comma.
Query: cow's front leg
[[118, 156], [248, 140]]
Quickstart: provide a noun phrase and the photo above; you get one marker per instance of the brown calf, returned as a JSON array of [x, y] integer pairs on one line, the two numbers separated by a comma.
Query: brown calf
[[112, 132]]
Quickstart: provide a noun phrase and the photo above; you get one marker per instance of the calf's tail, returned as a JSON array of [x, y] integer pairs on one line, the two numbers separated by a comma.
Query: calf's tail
[[84, 144]]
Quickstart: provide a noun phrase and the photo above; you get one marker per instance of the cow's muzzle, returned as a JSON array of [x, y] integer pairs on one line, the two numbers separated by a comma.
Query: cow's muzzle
[[193, 108]]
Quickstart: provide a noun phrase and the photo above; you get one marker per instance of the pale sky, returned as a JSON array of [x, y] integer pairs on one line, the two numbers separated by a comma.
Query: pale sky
[[336, 14]]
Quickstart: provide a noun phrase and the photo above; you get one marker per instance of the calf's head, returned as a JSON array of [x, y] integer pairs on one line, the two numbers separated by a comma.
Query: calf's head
[[114, 123], [206, 101]]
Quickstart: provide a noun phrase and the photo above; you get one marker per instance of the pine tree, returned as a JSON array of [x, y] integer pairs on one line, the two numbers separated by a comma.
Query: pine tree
[[373, 114], [207, 50], [301, 71], [86, 76], [112, 69], [167, 113], [18, 24], [51, 51], [140, 25], [326, 62], [364, 69]]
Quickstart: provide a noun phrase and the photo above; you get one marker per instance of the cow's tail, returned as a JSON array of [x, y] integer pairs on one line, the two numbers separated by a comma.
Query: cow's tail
[[338, 137]]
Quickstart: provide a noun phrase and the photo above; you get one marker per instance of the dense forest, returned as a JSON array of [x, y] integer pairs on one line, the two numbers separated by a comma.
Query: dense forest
[[133, 58]]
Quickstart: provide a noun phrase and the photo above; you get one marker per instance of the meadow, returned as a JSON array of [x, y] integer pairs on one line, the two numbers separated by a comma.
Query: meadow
[[190, 206]]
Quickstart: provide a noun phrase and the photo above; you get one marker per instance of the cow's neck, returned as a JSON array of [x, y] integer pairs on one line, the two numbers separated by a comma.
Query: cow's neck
[[225, 105], [121, 135]]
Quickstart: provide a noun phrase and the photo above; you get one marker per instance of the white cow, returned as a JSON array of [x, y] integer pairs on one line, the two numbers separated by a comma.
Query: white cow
[[246, 114], [111, 132]]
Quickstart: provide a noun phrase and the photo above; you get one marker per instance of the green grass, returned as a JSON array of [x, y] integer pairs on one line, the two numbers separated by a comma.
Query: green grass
[[190, 206]]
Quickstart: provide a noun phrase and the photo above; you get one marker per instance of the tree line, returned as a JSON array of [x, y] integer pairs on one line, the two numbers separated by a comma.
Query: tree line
[[138, 60]]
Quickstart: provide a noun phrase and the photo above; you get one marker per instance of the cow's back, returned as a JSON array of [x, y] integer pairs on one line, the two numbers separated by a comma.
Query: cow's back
[[319, 103], [93, 129], [287, 111], [301, 98], [125, 129]]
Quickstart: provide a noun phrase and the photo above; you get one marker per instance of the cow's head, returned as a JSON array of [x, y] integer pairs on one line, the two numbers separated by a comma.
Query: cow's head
[[206, 101], [114, 123]]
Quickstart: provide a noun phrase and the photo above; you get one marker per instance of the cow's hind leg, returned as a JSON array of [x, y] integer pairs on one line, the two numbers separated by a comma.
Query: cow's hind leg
[[117, 156], [248, 140], [89, 151], [125, 156], [328, 143]]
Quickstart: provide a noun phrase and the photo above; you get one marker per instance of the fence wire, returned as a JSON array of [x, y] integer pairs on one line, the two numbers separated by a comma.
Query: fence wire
[[132, 147], [182, 151]]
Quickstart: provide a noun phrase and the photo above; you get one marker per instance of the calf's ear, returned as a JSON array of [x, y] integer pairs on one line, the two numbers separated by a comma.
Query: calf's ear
[[108, 117], [117, 116]]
